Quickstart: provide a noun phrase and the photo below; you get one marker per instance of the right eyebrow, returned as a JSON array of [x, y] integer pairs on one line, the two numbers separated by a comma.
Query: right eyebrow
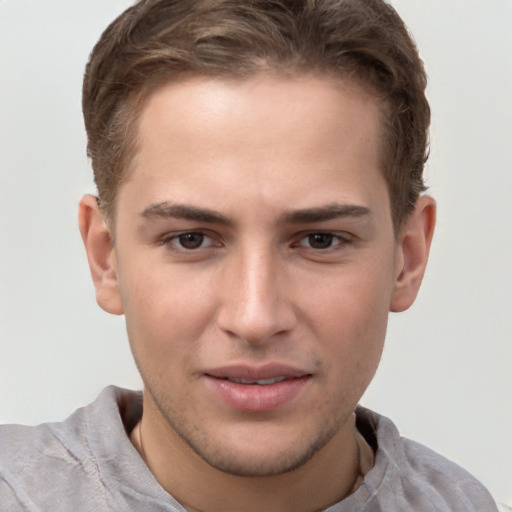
[[166, 210]]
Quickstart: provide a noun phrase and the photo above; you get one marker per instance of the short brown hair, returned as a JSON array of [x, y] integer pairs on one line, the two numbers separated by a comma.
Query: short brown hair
[[156, 41]]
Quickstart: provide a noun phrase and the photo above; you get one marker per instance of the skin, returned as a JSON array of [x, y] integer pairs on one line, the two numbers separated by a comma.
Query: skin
[[294, 262]]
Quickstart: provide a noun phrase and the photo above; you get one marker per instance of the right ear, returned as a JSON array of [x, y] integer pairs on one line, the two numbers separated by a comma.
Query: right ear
[[100, 254]]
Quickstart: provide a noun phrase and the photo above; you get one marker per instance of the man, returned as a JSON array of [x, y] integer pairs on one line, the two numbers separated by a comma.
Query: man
[[259, 172]]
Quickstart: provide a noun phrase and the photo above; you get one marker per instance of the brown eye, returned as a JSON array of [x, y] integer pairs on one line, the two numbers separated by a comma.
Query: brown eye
[[324, 240], [191, 240], [320, 240]]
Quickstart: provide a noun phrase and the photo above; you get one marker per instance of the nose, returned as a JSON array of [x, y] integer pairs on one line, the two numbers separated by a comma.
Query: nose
[[255, 303]]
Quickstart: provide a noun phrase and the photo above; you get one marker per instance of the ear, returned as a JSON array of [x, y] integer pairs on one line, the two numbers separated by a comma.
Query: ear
[[100, 254], [413, 249]]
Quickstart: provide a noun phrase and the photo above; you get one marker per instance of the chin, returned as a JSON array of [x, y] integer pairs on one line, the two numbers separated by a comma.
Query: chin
[[259, 452], [256, 464]]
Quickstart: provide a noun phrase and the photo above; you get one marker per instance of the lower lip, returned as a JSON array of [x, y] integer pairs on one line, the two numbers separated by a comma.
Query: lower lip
[[257, 397]]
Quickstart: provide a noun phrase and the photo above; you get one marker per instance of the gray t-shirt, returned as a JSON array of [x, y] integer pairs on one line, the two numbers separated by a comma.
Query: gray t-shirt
[[87, 463]]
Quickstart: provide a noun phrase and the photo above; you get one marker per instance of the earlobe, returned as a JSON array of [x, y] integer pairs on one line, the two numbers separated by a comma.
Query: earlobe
[[100, 254], [414, 247]]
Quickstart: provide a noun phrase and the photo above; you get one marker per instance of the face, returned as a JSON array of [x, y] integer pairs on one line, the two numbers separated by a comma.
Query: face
[[256, 262]]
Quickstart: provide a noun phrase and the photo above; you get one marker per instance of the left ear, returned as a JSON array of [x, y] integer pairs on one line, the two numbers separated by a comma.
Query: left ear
[[412, 253]]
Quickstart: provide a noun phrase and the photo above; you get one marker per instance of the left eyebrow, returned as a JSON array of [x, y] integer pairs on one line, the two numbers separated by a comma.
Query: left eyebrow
[[325, 213]]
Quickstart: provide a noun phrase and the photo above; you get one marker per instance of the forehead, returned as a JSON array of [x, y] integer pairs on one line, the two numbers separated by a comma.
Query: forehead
[[237, 136], [256, 100]]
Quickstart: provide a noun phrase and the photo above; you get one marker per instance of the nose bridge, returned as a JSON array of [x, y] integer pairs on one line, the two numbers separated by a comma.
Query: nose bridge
[[254, 306]]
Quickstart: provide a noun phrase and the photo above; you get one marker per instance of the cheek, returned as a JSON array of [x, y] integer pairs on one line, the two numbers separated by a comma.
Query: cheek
[[353, 299], [354, 339], [165, 314], [349, 315]]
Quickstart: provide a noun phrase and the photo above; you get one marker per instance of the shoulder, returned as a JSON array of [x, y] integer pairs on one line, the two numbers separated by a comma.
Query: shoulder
[[441, 479], [417, 478], [53, 462]]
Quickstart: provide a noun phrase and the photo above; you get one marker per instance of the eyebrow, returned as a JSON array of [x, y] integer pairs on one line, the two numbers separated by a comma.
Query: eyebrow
[[332, 211], [324, 213], [168, 210]]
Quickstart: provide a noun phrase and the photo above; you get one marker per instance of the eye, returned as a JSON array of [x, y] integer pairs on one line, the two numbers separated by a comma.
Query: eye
[[189, 241], [322, 240]]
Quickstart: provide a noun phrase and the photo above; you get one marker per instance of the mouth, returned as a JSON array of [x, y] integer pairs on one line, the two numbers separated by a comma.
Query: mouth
[[261, 389], [259, 382], [269, 373]]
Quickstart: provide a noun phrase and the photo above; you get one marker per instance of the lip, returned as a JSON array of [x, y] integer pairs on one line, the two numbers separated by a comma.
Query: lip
[[256, 397], [267, 371]]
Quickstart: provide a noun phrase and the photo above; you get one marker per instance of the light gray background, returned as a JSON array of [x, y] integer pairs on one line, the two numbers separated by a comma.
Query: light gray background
[[446, 374]]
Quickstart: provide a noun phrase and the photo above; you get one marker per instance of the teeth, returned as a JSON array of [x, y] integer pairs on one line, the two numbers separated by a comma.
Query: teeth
[[261, 382]]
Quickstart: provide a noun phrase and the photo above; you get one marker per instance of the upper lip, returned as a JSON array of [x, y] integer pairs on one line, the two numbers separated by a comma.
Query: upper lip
[[251, 372]]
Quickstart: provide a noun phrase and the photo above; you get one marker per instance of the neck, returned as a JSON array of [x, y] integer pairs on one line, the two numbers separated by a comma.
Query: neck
[[331, 474]]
